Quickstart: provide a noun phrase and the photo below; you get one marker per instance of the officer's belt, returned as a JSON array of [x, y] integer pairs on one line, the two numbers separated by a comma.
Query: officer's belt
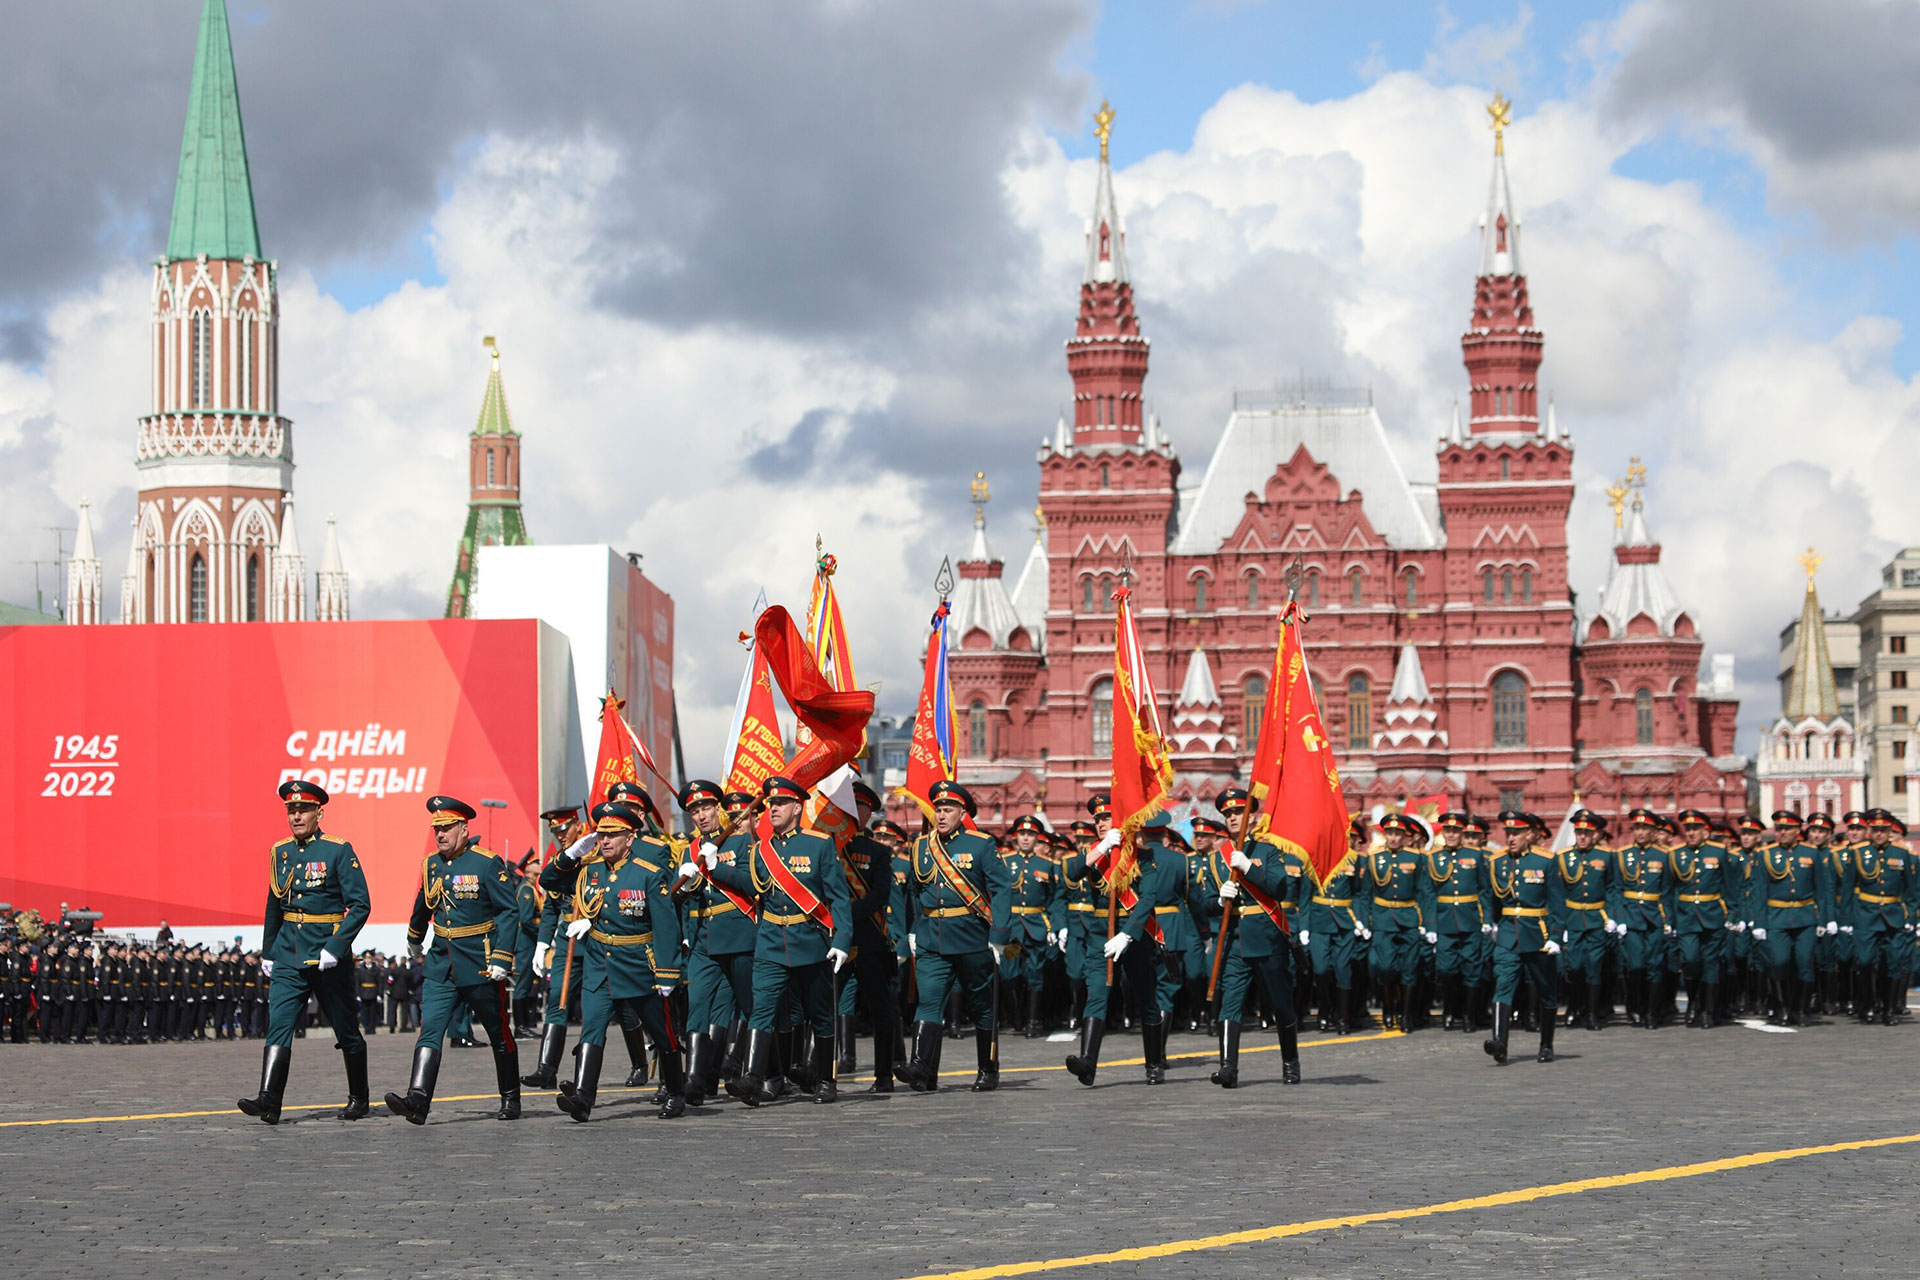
[[1878, 899], [1081, 906], [465, 930], [1635, 896], [620, 939], [1586, 906], [311, 917], [1333, 902], [1166, 911], [1702, 897], [704, 913], [1457, 899], [1393, 904], [1789, 902], [799, 917], [1530, 913], [1029, 911], [938, 913]]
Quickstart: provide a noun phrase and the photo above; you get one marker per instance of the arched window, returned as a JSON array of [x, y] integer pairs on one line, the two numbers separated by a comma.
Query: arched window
[[1486, 584], [1412, 581], [1506, 468], [1253, 591], [977, 729], [1100, 704], [197, 589], [1086, 594], [1106, 594], [1509, 709], [1526, 585], [245, 397], [1359, 712], [253, 587], [202, 360], [1356, 587], [1313, 589], [489, 468], [1253, 704], [1106, 477], [1199, 595], [1506, 586], [1643, 717]]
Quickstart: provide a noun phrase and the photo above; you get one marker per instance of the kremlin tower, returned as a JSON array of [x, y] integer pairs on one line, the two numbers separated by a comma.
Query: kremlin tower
[[493, 488]]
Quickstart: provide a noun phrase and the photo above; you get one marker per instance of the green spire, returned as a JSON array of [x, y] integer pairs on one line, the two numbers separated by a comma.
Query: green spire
[[494, 419], [1811, 692], [213, 199]]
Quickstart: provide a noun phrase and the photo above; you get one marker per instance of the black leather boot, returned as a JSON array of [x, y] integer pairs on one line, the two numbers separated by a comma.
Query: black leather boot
[[358, 1094], [1546, 1038], [750, 1085], [1693, 1004], [1596, 1016], [578, 1101], [1227, 1075], [413, 1105], [849, 1061], [1496, 1044], [921, 1069], [987, 1074], [1085, 1063], [636, 1054], [820, 1063], [1410, 1007], [274, 1064], [1709, 996], [733, 1058], [674, 1076], [553, 1047], [1153, 1044], [800, 1060], [700, 1054], [506, 1073], [883, 1060], [1289, 1053]]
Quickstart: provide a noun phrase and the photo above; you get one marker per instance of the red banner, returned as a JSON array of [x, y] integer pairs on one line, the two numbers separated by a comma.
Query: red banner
[[836, 718], [1294, 775], [1141, 770], [758, 754], [138, 764]]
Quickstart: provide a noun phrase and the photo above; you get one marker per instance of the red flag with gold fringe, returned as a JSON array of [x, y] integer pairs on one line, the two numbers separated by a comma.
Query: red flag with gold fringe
[[1295, 779]]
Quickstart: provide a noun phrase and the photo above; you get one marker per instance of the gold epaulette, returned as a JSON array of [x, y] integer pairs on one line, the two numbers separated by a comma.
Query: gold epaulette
[[485, 853], [648, 865]]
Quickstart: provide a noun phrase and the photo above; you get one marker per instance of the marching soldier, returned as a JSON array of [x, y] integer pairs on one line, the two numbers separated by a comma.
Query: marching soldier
[[803, 936], [1886, 899], [869, 867], [1333, 933], [1401, 896], [1259, 952], [467, 895], [1207, 870], [1789, 882], [1584, 926], [1462, 921], [1034, 883], [964, 905], [1148, 885], [1700, 874], [624, 919], [720, 967], [1077, 901], [316, 904], [563, 984], [526, 938], [1528, 892], [1182, 923], [1643, 889]]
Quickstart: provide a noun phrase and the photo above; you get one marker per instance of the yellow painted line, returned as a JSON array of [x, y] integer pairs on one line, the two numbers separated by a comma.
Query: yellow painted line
[[1497, 1200], [1209, 1056], [379, 1109]]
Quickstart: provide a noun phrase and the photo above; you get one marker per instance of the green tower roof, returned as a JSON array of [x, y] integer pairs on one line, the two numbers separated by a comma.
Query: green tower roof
[[213, 199], [494, 419]]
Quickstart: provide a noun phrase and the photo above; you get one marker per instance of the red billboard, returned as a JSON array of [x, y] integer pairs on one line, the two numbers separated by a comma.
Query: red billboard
[[138, 764]]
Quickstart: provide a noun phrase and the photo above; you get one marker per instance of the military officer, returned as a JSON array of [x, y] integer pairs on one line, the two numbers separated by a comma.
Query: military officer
[[1258, 881], [1700, 876], [868, 864], [1136, 891], [627, 937], [1076, 899], [1207, 870], [1745, 956], [1034, 884], [720, 966], [316, 904], [1789, 882], [803, 937], [1333, 932], [963, 910], [1462, 920], [1886, 900], [1529, 893], [466, 894], [1182, 923], [526, 939], [1584, 925], [553, 951], [1402, 896], [1832, 952], [1641, 892]]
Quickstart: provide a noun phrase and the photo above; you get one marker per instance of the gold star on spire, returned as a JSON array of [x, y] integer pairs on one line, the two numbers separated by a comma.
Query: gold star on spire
[[1103, 127], [1811, 562], [981, 495], [1499, 116], [493, 347]]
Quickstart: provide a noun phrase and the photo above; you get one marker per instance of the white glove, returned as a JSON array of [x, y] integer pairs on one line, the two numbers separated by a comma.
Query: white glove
[[1847, 929], [1832, 928], [708, 855], [1552, 948], [1759, 934], [1733, 926], [1366, 934], [540, 951], [579, 928], [327, 959], [913, 945], [1306, 937], [1108, 842], [999, 952], [1228, 891], [581, 847], [1486, 928], [266, 968], [1431, 937], [1667, 929], [689, 870], [1115, 945], [1239, 861], [1906, 928], [666, 988], [1060, 939], [497, 972]]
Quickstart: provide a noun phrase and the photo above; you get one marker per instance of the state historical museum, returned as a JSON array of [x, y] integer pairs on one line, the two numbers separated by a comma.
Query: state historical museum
[[1445, 642]]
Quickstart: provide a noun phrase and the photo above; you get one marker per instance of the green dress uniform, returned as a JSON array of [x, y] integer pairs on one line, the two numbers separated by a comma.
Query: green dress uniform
[[875, 972], [469, 900], [1701, 879], [1462, 921], [1260, 953], [790, 949], [1641, 896], [1037, 911], [1332, 933], [1155, 882], [719, 974], [1528, 892], [1182, 922], [1584, 927], [630, 945], [317, 902], [1401, 891], [1789, 883], [963, 909], [526, 935], [1076, 902], [1886, 901]]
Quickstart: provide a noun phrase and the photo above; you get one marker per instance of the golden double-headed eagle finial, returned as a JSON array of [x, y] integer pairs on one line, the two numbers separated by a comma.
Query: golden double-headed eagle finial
[[1499, 116], [1617, 499], [1811, 562], [1103, 127]]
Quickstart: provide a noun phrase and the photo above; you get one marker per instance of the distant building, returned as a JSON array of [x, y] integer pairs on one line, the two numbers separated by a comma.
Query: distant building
[[1888, 686], [494, 518], [1810, 761], [1843, 648]]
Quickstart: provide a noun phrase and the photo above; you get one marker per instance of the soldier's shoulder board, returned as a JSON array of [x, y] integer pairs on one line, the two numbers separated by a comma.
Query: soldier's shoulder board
[[648, 865]]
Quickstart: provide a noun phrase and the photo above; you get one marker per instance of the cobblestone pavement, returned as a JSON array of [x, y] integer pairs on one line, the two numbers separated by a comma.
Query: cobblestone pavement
[[1043, 1169]]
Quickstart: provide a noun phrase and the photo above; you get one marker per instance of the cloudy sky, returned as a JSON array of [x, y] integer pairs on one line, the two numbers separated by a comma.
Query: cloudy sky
[[763, 270]]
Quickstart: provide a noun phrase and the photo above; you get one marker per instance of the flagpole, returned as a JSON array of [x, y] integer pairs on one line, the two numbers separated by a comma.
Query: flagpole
[[1126, 838]]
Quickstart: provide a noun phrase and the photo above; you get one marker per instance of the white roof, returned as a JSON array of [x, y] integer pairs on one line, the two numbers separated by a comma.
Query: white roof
[[1409, 680], [1198, 689], [1105, 210], [1634, 589], [981, 602], [289, 534], [330, 561], [1030, 593], [1351, 441], [83, 541], [1496, 259]]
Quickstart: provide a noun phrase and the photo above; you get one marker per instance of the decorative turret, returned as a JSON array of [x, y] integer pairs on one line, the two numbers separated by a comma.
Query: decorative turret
[[1638, 599], [1810, 761], [83, 574], [1502, 348], [983, 613], [1199, 716], [494, 518], [330, 599], [1412, 721], [288, 600], [1107, 356]]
